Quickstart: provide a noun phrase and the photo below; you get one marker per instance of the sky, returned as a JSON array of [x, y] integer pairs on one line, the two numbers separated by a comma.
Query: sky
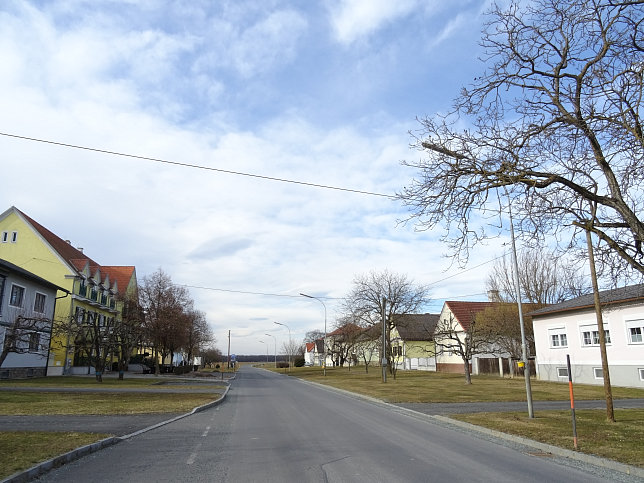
[[319, 93]]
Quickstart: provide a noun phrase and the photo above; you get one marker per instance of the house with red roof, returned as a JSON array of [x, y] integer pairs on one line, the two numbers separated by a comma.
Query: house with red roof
[[451, 336], [94, 291]]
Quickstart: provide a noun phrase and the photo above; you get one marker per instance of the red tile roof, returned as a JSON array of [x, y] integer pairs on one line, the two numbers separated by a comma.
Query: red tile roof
[[465, 311], [78, 259]]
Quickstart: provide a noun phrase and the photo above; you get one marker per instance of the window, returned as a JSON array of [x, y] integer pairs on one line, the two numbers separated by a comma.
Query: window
[[1, 291], [14, 237], [17, 295], [598, 372], [34, 341], [635, 329], [641, 371], [562, 372], [5, 236], [39, 303], [558, 337], [590, 336]]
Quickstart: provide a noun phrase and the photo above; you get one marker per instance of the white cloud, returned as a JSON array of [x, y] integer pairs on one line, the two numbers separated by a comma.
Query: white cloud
[[352, 20], [175, 86]]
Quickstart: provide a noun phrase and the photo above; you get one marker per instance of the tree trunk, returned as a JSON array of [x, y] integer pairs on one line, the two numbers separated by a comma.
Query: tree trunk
[[468, 376]]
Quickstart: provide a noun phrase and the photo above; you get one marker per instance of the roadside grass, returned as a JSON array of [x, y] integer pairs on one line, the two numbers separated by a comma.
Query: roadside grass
[[90, 381], [437, 387], [621, 441], [14, 403], [20, 450]]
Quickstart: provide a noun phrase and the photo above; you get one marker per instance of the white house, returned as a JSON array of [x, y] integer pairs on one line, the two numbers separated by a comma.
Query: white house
[[571, 328]]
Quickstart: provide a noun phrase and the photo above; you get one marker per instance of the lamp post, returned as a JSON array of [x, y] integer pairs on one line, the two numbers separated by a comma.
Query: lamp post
[[324, 340], [289, 344], [517, 288], [275, 342], [266, 350]]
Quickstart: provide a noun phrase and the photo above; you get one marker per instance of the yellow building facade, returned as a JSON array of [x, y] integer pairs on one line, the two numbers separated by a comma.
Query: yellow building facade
[[94, 290]]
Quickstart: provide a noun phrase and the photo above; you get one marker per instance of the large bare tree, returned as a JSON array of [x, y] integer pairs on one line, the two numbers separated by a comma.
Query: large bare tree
[[364, 303], [544, 278], [556, 120]]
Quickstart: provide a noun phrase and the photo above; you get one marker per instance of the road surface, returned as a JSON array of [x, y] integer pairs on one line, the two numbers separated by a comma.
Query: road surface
[[273, 428]]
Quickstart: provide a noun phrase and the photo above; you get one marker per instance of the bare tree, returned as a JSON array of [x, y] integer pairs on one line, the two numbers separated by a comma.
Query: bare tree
[[367, 345], [313, 335], [465, 342], [198, 334], [128, 330], [164, 305], [25, 333], [543, 278], [556, 120], [364, 304], [93, 337]]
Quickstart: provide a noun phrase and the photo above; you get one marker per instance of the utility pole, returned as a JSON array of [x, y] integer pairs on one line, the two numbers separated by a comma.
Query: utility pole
[[608, 392], [517, 288], [229, 349], [383, 361]]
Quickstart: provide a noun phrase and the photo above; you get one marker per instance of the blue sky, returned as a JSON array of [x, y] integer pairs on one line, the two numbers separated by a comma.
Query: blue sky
[[319, 92]]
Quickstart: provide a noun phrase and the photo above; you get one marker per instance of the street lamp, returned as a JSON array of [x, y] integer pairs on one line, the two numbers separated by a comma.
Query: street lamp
[[275, 342], [266, 349], [289, 344], [324, 340]]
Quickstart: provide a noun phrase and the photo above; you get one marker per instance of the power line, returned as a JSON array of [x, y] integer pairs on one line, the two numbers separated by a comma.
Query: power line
[[243, 292], [196, 166]]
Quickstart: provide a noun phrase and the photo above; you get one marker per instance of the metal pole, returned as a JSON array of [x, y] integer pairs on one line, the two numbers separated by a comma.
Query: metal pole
[[517, 288], [324, 340], [383, 361], [289, 344], [275, 343], [572, 403]]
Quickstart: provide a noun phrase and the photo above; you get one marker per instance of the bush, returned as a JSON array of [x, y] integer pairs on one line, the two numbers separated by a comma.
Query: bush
[[298, 362], [282, 364]]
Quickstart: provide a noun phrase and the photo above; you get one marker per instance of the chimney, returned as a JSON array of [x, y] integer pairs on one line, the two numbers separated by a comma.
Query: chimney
[[80, 249], [493, 296]]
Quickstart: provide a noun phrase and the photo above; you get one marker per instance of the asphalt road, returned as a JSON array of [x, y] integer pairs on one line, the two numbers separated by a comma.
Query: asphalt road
[[277, 429]]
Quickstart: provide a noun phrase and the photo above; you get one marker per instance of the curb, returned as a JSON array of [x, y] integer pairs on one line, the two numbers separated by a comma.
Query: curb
[[45, 466], [544, 447]]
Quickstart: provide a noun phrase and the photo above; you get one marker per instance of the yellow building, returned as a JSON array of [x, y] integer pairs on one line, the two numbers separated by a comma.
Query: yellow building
[[94, 290]]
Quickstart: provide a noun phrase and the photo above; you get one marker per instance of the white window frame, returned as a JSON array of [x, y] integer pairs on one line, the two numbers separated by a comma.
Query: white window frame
[[22, 300], [557, 332], [44, 303], [641, 371], [593, 333], [14, 236], [634, 324], [5, 236], [595, 369], [565, 372]]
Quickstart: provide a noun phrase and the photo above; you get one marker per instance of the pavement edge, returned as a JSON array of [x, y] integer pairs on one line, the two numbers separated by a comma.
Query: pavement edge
[[42, 468], [547, 448]]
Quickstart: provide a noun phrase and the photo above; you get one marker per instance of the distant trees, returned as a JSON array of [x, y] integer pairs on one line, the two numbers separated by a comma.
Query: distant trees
[[171, 324], [364, 303]]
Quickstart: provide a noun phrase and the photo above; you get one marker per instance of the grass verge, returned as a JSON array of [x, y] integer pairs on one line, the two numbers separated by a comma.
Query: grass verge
[[436, 387], [621, 441], [20, 450], [108, 382], [47, 403]]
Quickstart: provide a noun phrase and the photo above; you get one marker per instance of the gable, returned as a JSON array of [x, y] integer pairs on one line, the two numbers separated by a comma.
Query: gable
[[464, 312]]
